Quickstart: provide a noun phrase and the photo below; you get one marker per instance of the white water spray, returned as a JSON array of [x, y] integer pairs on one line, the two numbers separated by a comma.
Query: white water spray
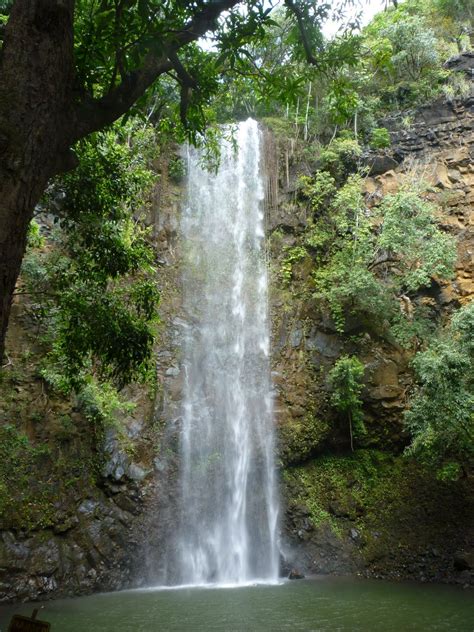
[[228, 503]]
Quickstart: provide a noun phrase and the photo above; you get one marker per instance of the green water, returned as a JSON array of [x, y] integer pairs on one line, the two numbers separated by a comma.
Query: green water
[[319, 605]]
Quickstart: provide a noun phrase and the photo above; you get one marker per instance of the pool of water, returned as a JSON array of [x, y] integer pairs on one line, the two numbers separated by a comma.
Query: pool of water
[[311, 605]]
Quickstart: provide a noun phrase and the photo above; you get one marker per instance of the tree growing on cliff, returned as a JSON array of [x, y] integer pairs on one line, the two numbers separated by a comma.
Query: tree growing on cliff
[[345, 381], [372, 262]]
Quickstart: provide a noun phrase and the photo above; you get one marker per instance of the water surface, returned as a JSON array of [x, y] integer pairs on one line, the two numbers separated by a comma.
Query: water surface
[[317, 605]]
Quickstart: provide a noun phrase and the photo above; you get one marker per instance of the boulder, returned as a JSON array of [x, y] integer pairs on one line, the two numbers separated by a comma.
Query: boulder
[[380, 163], [464, 62], [440, 177], [388, 182], [464, 560], [295, 574]]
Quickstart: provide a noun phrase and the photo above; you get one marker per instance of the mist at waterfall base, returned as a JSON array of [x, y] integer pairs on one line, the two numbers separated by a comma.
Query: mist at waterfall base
[[226, 531]]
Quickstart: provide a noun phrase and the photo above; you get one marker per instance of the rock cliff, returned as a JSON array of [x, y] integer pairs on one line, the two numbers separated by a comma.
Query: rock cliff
[[371, 512]]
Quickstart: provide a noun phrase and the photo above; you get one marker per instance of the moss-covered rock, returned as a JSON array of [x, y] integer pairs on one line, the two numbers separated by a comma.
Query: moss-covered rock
[[376, 513], [301, 437]]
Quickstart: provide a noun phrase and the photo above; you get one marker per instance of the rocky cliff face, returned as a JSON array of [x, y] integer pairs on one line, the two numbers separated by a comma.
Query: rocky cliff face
[[77, 504], [370, 512]]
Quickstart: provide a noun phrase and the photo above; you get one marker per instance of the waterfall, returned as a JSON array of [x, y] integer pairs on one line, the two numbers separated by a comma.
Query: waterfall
[[227, 505]]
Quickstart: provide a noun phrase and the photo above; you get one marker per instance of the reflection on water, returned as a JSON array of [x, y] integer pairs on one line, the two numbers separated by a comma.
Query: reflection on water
[[317, 605]]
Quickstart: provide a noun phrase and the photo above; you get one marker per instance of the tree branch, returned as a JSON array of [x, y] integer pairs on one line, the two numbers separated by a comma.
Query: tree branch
[[310, 58], [181, 71], [93, 114], [188, 84]]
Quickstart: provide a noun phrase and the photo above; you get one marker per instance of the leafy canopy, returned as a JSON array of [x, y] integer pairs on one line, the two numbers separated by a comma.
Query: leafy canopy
[[96, 288]]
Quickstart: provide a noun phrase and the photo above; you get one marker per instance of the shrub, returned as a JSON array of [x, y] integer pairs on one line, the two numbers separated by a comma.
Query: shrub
[[440, 416], [380, 138], [340, 157]]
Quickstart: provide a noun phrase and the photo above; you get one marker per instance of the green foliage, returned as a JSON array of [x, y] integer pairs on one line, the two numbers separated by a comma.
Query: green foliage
[[440, 417], [302, 437], [369, 263], [97, 293], [342, 100], [342, 277], [100, 402], [408, 46], [293, 255], [350, 486], [456, 21], [396, 62], [410, 234], [457, 87], [318, 189], [413, 47], [177, 169], [35, 239], [385, 498], [340, 157], [113, 42], [380, 138], [346, 382]]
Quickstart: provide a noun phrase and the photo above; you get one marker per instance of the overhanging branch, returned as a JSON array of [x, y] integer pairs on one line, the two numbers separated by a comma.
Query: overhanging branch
[[182, 73], [295, 9], [93, 114]]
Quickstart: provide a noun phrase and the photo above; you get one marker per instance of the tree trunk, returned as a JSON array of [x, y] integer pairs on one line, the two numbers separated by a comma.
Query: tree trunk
[[37, 72], [16, 208]]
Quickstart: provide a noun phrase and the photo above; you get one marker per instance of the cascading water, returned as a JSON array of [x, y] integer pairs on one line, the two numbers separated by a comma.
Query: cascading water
[[228, 503]]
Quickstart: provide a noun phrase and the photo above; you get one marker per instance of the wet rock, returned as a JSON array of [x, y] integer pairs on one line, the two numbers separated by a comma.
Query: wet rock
[[295, 574], [134, 429], [441, 177], [328, 345], [136, 473], [175, 387], [13, 554], [287, 216], [465, 578], [44, 559], [87, 507], [66, 525], [454, 175], [159, 464], [173, 371], [342, 509], [285, 566], [463, 62], [384, 372], [355, 535], [296, 336], [117, 464], [464, 560], [387, 391], [301, 510]]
